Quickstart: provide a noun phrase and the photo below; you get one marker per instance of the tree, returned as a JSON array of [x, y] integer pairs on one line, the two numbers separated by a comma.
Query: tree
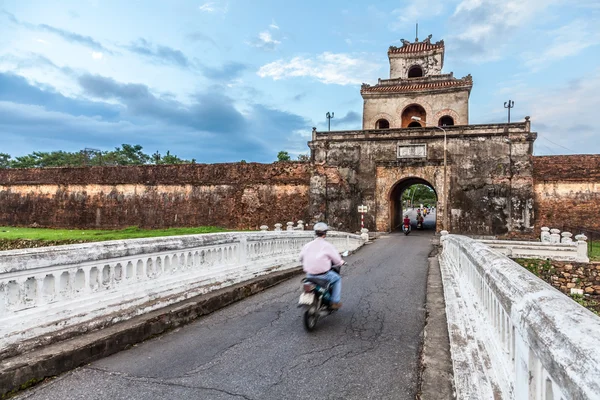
[[283, 156], [304, 157], [418, 194], [4, 160]]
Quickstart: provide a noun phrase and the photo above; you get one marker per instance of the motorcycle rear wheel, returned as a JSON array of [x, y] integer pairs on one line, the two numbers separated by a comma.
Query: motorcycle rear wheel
[[311, 316]]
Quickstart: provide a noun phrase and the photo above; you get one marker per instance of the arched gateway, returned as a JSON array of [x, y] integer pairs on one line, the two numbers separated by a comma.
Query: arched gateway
[[482, 174], [397, 206]]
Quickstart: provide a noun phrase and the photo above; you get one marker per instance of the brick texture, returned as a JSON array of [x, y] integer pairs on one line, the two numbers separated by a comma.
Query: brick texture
[[236, 196], [567, 192]]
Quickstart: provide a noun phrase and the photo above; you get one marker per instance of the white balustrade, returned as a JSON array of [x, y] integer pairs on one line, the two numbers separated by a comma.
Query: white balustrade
[[512, 335], [45, 290]]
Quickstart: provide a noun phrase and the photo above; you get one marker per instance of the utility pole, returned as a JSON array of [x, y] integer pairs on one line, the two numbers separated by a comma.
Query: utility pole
[[509, 104], [329, 116]]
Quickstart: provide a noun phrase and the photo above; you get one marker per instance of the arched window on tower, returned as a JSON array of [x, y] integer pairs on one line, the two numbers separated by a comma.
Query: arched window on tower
[[415, 72], [382, 124], [446, 120], [413, 110]]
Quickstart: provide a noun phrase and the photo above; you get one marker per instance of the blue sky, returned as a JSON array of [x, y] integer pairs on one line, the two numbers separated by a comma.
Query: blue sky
[[226, 80]]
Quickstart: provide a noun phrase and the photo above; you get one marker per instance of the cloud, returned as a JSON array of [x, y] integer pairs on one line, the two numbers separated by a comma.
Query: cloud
[[214, 7], [265, 41], [329, 68], [201, 37], [158, 53], [274, 25], [33, 61], [17, 89], [483, 28], [567, 41], [96, 55], [210, 128], [69, 36], [351, 117], [415, 11], [226, 72]]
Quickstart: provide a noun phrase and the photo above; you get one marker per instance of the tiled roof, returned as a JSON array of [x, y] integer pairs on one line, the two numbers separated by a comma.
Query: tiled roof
[[466, 82], [417, 47]]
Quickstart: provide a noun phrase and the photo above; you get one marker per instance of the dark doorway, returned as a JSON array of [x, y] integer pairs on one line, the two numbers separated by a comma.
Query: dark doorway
[[382, 124], [446, 120], [415, 72], [414, 124], [408, 196]]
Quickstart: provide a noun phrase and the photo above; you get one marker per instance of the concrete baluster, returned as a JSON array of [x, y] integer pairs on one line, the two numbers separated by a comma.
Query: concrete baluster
[[554, 236], [300, 226], [243, 250], [264, 228], [582, 248], [566, 237], [364, 234], [277, 227], [290, 226], [545, 235]]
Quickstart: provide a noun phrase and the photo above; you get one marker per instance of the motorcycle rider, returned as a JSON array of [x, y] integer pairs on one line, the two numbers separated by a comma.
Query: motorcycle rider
[[406, 222], [317, 258]]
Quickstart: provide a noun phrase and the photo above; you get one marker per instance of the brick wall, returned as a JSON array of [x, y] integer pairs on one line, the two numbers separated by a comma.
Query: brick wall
[[567, 191], [237, 196]]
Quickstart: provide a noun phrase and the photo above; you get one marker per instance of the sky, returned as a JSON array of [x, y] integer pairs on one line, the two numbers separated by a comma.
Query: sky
[[231, 80]]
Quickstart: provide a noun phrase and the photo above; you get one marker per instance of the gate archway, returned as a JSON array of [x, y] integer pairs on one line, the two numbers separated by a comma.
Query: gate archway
[[398, 206]]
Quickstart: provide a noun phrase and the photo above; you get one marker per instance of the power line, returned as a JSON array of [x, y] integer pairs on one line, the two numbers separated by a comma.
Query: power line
[[559, 145]]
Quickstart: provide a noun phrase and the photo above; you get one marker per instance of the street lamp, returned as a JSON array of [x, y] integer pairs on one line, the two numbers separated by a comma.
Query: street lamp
[[329, 115], [415, 118]]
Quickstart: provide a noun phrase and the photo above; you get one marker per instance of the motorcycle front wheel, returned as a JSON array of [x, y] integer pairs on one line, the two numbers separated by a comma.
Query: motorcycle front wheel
[[311, 315]]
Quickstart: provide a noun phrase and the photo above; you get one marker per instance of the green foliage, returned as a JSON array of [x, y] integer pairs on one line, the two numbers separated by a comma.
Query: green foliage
[[420, 193], [4, 160], [283, 156], [540, 268], [594, 250], [587, 302], [127, 154], [45, 234], [304, 157]]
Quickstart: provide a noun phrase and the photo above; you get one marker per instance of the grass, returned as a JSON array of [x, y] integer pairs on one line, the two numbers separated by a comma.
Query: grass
[[594, 251], [93, 235]]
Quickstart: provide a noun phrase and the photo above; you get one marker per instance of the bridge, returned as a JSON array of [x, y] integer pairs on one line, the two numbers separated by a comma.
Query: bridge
[[160, 318]]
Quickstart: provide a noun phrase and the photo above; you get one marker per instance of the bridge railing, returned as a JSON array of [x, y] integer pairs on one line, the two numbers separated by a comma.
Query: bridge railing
[[59, 291], [512, 335]]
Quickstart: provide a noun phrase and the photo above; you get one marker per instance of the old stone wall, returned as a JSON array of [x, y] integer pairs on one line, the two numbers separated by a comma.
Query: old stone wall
[[490, 184], [236, 196], [567, 191], [454, 103]]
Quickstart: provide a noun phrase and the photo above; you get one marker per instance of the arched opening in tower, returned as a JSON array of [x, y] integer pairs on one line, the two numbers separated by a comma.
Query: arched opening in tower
[[415, 72], [446, 120], [382, 124], [413, 110], [415, 198]]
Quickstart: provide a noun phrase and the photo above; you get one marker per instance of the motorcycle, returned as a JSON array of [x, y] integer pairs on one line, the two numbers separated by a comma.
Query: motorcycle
[[316, 298], [406, 229], [419, 225]]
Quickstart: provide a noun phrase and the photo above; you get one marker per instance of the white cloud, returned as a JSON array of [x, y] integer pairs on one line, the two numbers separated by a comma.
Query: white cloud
[[482, 29], [42, 41], [410, 14], [329, 68], [213, 7], [266, 40], [568, 40], [97, 55], [274, 25]]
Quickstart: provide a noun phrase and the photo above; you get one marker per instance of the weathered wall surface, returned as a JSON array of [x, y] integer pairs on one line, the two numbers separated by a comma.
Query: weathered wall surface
[[237, 196], [490, 183], [454, 103], [567, 191]]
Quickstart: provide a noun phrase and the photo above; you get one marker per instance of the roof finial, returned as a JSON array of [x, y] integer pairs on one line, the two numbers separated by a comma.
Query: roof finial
[[417, 33]]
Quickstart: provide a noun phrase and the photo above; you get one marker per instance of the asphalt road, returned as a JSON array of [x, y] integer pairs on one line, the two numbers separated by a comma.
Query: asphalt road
[[258, 349]]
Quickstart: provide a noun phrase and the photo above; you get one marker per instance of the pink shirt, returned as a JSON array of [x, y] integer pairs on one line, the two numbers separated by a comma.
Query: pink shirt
[[317, 256]]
